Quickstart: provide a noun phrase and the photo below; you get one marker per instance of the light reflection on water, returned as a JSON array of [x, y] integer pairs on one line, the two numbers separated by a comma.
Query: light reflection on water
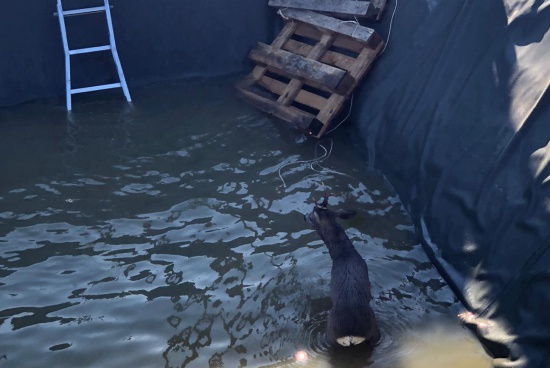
[[162, 236]]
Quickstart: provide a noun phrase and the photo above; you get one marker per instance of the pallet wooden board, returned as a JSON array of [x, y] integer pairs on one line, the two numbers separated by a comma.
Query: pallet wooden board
[[310, 69], [338, 8], [379, 8], [295, 66], [345, 8], [353, 30]]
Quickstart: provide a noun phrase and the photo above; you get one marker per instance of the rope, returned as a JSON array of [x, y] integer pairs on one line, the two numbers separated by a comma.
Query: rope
[[343, 120], [391, 24], [315, 161], [280, 12]]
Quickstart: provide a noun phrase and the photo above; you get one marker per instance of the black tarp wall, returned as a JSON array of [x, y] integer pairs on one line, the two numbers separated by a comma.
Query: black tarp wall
[[156, 40], [456, 113]]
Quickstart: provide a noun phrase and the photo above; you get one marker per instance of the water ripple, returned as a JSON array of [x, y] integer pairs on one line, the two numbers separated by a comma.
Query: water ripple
[[163, 236]]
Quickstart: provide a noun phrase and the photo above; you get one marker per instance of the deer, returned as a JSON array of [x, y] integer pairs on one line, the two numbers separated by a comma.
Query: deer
[[351, 319]]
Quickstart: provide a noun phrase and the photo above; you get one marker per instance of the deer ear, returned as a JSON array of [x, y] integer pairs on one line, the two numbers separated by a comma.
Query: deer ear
[[346, 214]]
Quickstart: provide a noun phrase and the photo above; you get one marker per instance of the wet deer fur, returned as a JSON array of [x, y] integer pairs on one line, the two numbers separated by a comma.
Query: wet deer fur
[[351, 319]]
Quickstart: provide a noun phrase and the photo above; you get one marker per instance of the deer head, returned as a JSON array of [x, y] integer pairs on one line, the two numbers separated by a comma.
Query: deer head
[[324, 221], [323, 217]]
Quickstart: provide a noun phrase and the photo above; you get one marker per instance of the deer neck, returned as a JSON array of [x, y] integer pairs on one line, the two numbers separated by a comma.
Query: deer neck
[[337, 242]]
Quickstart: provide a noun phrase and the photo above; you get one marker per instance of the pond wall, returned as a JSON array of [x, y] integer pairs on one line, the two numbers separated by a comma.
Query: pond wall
[[456, 113], [156, 40]]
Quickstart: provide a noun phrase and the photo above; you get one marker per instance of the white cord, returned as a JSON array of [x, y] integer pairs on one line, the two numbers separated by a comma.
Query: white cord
[[384, 49], [324, 169], [280, 12], [316, 160], [391, 23], [346, 118]]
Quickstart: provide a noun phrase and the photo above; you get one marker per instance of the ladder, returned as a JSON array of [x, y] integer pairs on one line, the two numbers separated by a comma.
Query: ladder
[[106, 8]]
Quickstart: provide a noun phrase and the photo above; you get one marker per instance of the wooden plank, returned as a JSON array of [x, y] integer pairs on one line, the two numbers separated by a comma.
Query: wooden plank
[[297, 47], [297, 66], [355, 31], [279, 41], [309, 31], [364, 62], [311, 99], [304, 97], [341, 41], [290, 92], [321, 47], [332, 58], [379, 6], [337, 7], [331, 109], [315, 53], [290, 114], [335, 102], [287, 31]]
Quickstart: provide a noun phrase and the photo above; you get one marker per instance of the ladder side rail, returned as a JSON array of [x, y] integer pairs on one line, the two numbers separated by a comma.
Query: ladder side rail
[[115, 52], [67, 55]]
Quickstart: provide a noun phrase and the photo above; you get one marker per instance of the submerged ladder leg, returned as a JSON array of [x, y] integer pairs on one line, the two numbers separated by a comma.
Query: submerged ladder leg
[[67, 55], [115, 52]]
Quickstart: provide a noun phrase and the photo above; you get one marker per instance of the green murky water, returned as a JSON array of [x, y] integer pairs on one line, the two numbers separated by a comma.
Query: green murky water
[[163, 236]]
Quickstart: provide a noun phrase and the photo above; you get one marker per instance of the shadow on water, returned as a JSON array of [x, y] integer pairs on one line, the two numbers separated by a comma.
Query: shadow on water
[[163, 236]]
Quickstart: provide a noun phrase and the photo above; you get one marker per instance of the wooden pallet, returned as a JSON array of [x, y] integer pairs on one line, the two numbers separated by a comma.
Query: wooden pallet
[[310, 69], [337, 8]]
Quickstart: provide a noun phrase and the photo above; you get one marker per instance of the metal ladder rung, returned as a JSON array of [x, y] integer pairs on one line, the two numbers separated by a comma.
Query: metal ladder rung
[[96, 88], [88, 50], [67, 13]]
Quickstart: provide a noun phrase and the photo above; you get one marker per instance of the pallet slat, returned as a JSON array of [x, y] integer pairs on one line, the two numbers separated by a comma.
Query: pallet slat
[[322, 75], [352, 30], [304, 97], [295, 85], [336, 7], [299, 118], [288, 30], [335, 102], [341, 41], [379, 7], [344, 9], [332, 58]]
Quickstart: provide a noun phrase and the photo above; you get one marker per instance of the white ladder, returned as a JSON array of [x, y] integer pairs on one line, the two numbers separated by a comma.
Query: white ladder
[[61, 14]]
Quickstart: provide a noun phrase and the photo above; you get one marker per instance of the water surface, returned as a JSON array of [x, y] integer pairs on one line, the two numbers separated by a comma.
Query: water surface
[[163, 235]]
